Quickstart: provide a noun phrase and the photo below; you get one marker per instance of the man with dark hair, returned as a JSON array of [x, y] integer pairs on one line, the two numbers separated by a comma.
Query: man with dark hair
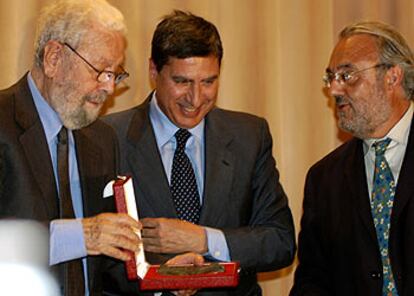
[[172, 39], [205, 178], [357, 226]]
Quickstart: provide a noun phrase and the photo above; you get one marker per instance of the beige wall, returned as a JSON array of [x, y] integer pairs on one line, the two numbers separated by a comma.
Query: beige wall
[[275, 52]]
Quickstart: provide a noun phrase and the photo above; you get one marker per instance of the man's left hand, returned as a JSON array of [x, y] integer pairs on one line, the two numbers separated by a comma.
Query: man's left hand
[[172, 236]]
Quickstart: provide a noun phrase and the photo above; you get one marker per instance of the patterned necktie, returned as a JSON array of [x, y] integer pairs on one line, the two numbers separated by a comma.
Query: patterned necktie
[[183, 182], [73, 270], [382, 200]]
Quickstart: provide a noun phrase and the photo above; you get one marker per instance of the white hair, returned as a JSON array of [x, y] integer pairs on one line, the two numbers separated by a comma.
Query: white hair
[[69, 20]]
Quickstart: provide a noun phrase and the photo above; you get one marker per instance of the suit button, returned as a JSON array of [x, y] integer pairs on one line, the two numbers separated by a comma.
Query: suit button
[[375, 275]]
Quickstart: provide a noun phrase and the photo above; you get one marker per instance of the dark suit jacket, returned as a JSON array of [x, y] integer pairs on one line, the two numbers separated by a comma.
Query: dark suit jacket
[[27, 183], [338, 250], [242, 196]]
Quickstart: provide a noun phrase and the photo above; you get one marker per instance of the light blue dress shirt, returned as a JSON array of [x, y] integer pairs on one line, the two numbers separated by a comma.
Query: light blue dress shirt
[[164, 131], [66, 235]]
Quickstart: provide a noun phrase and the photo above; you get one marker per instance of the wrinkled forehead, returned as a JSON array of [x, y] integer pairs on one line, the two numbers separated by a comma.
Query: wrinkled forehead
[[354, 51], [103, 45]]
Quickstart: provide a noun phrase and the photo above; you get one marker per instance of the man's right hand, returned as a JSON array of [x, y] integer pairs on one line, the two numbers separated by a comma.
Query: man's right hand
[[111, 234]]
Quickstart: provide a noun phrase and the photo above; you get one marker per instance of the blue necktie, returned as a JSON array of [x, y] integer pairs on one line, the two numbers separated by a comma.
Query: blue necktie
[[382, 199], [183, 182]]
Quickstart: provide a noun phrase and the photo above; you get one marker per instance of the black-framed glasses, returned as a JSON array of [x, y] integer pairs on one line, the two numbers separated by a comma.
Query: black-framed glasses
[[348, 77], [104, 75]]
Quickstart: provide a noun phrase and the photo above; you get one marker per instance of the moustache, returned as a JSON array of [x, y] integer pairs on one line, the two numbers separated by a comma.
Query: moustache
[[341, 100], [96, 98]]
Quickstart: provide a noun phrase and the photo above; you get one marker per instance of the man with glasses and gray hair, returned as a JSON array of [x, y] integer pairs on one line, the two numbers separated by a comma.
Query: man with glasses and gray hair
[[55, 156], [356, 231]]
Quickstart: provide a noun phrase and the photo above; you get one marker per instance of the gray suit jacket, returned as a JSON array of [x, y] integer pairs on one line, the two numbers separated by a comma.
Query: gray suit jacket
[[27, 183], [242, 195]]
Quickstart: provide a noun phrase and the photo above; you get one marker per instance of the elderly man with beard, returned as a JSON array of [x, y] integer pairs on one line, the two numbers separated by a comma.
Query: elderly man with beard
[[357, 233], [79, 51]]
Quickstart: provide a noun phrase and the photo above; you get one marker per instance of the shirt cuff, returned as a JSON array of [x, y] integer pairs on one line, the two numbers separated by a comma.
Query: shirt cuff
[[66, 240], [217, 245]]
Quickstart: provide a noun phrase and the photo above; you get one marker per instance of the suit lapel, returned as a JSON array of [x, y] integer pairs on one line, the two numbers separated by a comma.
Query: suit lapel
[[143, 156], [35, 147], [405, 185], [219, 169], [356, 183]]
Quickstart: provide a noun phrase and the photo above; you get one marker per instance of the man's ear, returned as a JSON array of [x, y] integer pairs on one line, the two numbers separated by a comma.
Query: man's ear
[[52, 58], [394, 76], [153, 73]]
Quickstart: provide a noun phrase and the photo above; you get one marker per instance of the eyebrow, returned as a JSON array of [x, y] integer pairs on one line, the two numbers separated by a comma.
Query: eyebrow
[[340, 67], [106, 63], [180, 77], [213, 77]]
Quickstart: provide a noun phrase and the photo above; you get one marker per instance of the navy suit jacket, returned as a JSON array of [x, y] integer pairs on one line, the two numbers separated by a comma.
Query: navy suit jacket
[[338, 249]]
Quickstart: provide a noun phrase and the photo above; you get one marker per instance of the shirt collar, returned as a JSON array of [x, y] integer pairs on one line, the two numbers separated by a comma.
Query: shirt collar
[[49, 118], [398, 134], [164, 129]]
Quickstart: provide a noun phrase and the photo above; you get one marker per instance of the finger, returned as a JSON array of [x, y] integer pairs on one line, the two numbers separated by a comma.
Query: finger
[[184, 292], [187, 258], [157, 250], [163, 248], [112, 233], [124, 243], [111, 222], [120, 224], [198, 260], [126, 232], [153, 248], [150, 232], [151, 241], [150, 222], [117, 253], [121, 218], [161, 243], [102, 232]]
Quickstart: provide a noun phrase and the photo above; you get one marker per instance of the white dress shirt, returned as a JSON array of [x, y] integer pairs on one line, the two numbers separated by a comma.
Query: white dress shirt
[[395, 151], [164, 131]]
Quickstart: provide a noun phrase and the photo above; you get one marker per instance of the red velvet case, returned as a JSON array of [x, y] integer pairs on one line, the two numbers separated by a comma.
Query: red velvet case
[[155, 281], [151, 279]]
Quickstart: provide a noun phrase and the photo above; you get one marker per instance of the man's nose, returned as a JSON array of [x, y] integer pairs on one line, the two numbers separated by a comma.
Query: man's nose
[[108, 86], [195, 95], [336, 88]]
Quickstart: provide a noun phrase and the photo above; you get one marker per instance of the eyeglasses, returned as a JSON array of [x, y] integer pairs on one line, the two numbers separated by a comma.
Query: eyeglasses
[[104, 75], [347, 77]]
